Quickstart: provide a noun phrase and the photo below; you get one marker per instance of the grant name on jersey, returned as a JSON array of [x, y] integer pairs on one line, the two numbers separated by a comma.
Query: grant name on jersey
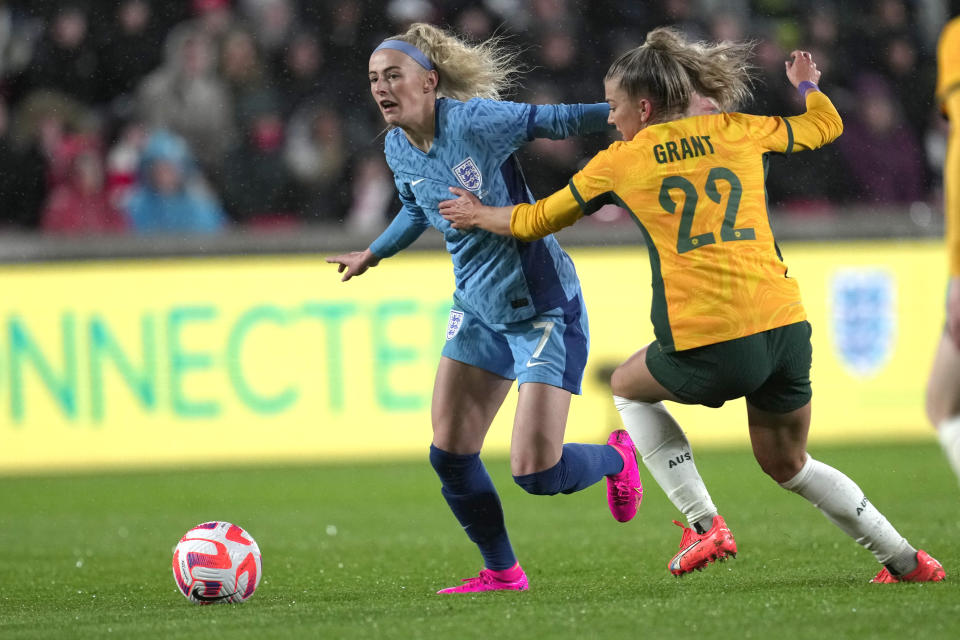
[[682, 149]]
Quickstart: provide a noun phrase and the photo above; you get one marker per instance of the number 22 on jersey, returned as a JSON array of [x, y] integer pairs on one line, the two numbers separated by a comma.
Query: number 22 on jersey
[[728, 230]]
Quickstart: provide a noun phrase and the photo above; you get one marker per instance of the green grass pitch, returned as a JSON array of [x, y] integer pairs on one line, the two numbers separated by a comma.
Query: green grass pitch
[[357, 551]]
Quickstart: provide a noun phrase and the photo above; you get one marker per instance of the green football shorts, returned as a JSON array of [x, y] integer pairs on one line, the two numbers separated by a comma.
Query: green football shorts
[[770, 369]]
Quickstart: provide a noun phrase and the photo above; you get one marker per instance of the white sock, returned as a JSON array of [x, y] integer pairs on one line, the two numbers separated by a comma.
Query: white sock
[[666, 453], [842, 501], [949, 433]]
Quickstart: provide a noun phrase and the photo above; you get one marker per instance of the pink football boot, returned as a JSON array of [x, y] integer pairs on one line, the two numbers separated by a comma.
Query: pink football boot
[[513, 579], [624, 489]]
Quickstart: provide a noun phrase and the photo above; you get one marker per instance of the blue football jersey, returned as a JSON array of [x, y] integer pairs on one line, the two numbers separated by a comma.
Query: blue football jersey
[[499, 278]]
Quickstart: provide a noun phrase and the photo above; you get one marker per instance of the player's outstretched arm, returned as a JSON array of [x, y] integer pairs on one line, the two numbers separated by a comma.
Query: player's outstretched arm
[[467, 212], [801, 68], [821, 123], [354, 263]]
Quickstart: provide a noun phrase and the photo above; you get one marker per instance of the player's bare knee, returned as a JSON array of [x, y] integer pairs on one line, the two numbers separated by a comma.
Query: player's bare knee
[[521, 466], [442, 439], [941, 404], [933, 403], [782, 468], [616, 384], [934, 414], [620, 386]]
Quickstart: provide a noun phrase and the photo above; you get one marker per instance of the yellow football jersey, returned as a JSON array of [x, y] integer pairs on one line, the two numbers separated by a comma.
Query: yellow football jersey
[[695, 187], [948, 95], [948, 61]]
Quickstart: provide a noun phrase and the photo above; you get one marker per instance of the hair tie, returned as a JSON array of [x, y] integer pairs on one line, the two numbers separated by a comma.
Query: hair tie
[[409, 49]]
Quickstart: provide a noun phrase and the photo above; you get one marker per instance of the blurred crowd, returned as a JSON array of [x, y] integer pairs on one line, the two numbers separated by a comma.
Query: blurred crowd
[[195, 115]]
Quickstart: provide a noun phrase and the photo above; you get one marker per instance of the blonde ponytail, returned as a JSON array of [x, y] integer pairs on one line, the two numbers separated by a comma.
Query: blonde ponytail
[[667, 69], [485, 70]]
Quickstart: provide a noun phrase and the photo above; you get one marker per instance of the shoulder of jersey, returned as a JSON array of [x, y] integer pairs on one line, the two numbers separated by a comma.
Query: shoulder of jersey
[[452, 114], [951, 32], [392, 136], [458, 112], [948, 57], [617, 145], [651, 134], [707, 121], [391, 141]]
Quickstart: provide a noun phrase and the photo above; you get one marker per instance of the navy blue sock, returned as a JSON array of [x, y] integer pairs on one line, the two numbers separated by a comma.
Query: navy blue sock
[[580, 466], [469, 491]]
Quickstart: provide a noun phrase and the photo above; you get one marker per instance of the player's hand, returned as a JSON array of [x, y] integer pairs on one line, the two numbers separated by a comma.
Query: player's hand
[[801, 68], [354, 263], [953, 310], [464, 212], [467, 212]]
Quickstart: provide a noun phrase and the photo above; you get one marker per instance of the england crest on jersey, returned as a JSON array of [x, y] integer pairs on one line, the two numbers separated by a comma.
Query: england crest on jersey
[[453, 323], [864, 318], [468, 174]]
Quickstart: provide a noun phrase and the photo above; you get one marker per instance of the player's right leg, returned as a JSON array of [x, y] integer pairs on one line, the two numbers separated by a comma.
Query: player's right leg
[[543, 464], [666, 453], [549, 357], [779, 444], [465, 400], [943, 399], [779, 415]]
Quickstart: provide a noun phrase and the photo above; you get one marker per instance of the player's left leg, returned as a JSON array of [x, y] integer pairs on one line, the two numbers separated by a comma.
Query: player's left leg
[[473, 378], [779, 445], [465, 400], [943, 399]]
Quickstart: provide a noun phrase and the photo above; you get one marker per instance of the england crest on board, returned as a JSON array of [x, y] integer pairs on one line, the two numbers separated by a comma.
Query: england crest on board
[[864, 318]]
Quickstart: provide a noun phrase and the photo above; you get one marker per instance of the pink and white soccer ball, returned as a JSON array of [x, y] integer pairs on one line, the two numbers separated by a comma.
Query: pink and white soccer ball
[[217, 562]]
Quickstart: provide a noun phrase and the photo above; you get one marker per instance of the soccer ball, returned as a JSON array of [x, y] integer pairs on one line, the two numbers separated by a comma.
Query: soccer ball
[[216, 562]]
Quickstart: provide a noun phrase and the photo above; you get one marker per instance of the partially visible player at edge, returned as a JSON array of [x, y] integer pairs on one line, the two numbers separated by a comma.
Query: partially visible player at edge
[[517, 310], [943, 388], [728, 321]]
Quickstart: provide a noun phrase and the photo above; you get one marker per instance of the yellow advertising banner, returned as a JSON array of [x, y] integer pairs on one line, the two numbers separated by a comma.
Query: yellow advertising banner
[[206, 361]]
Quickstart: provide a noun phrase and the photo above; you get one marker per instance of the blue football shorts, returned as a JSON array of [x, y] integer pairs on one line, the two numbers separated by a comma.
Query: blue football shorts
[[550, 348]]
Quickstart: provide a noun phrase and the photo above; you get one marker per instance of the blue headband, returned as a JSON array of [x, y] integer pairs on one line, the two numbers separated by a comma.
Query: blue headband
[[408, 49]]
